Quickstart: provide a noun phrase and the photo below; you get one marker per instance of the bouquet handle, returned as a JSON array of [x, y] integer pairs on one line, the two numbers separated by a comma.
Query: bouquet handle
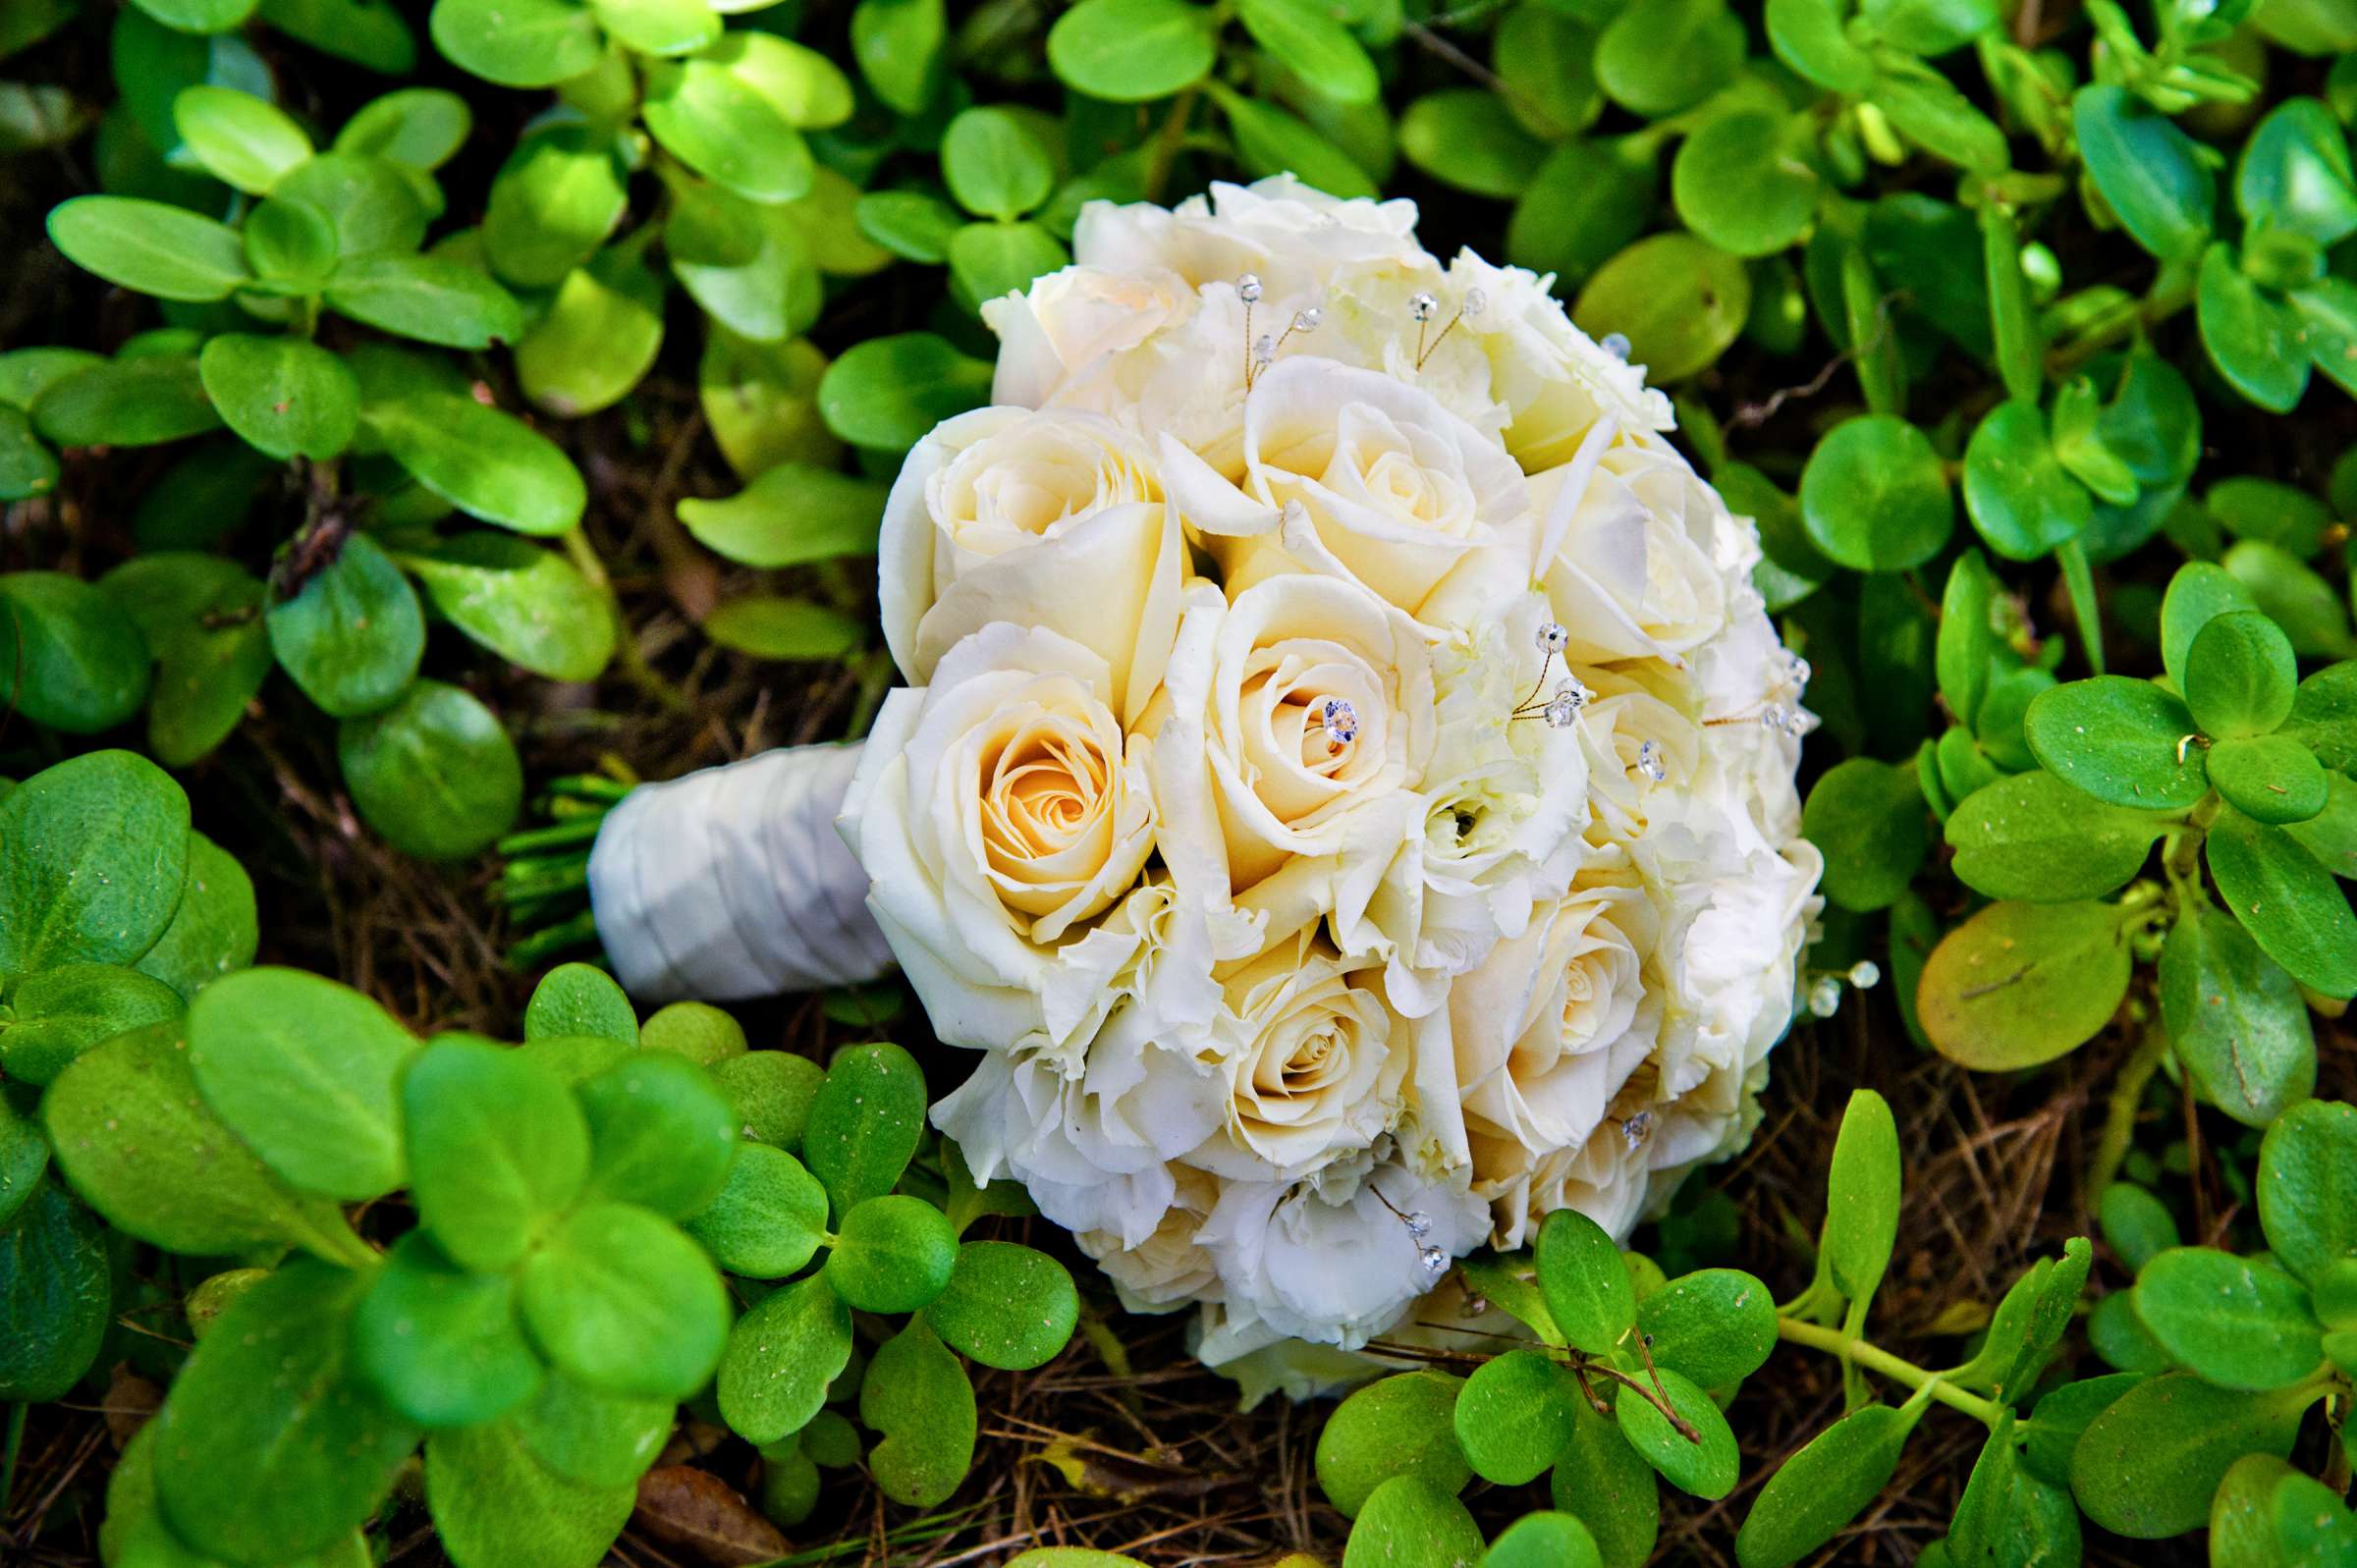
[[732, 883]]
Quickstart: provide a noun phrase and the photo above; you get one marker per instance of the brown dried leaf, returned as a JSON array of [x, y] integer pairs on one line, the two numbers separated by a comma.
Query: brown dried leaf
[[1096, 1471], [696, 1511], [129, 1400]]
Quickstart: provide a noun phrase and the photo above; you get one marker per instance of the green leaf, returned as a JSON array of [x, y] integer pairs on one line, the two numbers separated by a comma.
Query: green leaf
[[790, 516], [352, 635], [2286, 901], [198, 16], [589, 1438], [496, 1505], [2146, 1468], [2034, 837], [618, 1298], [1744, 182], [2307, 1184], [1702, 1466], [2020, 984], [916, 1396], [1874, 496], [580, 998], [70, 657], [1669, 56], [1544, 1539], [63, 1011], [865, 1123], [1129, 51], [128, 1128], [2240, 675], [888, 392], [2331, 834], [215, 931], [772, 1092], [2150, 173], [659, 26], [2238, 1322], [749, 267], [2295, 597], [498, 1149], [2255, 340], [270, 1398], [1581, 206], [2009, 1515], [596, 340], [303, 1070], [1586, 1287], [200, 617], [554, 201], [2136, 1225], [2235, 1020], [2120, 740], [2200, 592], [241, 139], [895, 1253], [487, 464], [428, 299], [141, 401], [780, 1357], [660, 1133], [1809, 36], [1928, 110], [374, 203], [1399, 1425], [1513, 1415], [93, 853], [1679, 301], [1408, 1523], [768, 1219], [368, 32], [1006, 1306], [2294, 174], [994, 165], [696, 1030], [56, 1287], [517, 43], [735, 112], [2063, 1413], [24, 1155], [1820, 1489], [899, 46], [911, 225], [990, 259], [2018, 494], [439, 1345], [1862, 1193], [1304, 37], [151, 248], [435, 772], [528, 605], [2271, 779], [283, 395], [1869, 819], [421, 127], [1715, 1325], [27, 468], [2326, 311], [1602, 1480]]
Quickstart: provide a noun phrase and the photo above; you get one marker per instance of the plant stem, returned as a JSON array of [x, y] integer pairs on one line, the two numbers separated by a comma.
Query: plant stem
[[2119, 1117], [16, 1411], [626, 646], [1875, 1358]]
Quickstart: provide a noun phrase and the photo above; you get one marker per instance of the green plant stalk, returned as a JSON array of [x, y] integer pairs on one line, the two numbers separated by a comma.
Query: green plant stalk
[[1875, 1358], [17, 1411], [626, 647], [2120, 1115]]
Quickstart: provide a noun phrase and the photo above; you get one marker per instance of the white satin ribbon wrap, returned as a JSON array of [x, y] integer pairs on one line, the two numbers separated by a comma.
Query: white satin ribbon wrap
[[732, 881]]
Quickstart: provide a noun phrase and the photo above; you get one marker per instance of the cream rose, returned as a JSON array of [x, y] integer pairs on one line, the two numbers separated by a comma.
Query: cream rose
[[1627, 554], [1061, 340], [1351, 473], [1167, 1269], [995, 810], [1035, 519], [1292, 237]]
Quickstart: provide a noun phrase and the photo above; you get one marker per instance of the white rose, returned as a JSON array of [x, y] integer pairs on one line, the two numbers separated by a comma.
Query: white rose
[[1292, 237], [1352, 473], [1627, 554], [995, 810], [1334, 1267], [1292, 725], [1061, 340], [1312, 1068], [1166, 1269], [1039, 519]]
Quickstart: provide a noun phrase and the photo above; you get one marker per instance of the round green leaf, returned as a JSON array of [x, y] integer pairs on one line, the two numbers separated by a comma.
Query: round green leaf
[[241, 139], [93, 853], [888, 392], [1679, 301], [696, 1030], [528, 605], [2256, 341], [895, 1253], [1717, 1326], [2286, 901], [790, 516], [517, 43], [2150, 173], [353, 632], [768, 1219], [374, 206], [199, 616], [2032, 837], [421, 127], [1874, 496], [2239, 1323], [735, 113], [660, 1133], [151, 248], [865, 1123], [1007, 1306], [1304, 37], [131, 401], [486, 463], [1702, 1466], [56, 1286], [435, 772], [780, 1357], [1408, 1523], [916, 1396], [2120, 740], [2020, 984], [70, 657], [1581, 206], [659, 26], [994, 165], [303, 1070], [1743, 183], [618, 1298], [2269, 778], [2019, 496], [1869, 819], [580, 998], [1513, 1415], [270, 1398], [554, 201], [899, 46], [590, 1439], [2308, 1187], [439, 1345], [2148, 1465], [2235, 1019], [428, 299], [1809, 36], [1824, 1486], [1586, 1287], [1601, 1478], [1660, 58], [1544, 1539], [1270, 142], [772, 1092], [2294, 174], [1128, 51], [496, 1147], [2240, 675], [283, 395], [1401, 1426], [24, 1155], [496, 1505]]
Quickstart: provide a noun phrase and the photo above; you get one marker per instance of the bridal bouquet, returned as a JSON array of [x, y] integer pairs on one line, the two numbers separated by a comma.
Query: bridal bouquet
[[1344, 785]]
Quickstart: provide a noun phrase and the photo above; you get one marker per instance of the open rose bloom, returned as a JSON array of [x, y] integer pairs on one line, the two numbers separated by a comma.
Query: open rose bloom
[[1344, 792]]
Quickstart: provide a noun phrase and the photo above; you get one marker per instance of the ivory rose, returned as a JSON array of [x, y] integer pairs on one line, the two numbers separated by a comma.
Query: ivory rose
[[995, 810], [1036, 520], [1627, 554], [1294, 238]]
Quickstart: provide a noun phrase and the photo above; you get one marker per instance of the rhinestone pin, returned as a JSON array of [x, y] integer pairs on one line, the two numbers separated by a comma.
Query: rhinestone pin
[[1636, 1129], [1420, 307], [1341, 722], [1777, 718], [1475, 303], [1554, 637], [1865, 974], [1650, 763], [1419, 1224], [1307, 320], [1825, 997], [1434, 1260], [1617, 345], [1247, 288]]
